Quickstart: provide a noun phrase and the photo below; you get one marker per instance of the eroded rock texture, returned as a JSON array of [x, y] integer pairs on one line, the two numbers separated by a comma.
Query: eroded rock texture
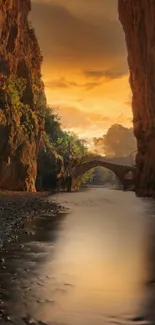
[[21, 97], [138, 20]]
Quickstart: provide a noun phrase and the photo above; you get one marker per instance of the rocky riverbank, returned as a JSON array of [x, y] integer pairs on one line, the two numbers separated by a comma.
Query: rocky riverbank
[[18, 207]]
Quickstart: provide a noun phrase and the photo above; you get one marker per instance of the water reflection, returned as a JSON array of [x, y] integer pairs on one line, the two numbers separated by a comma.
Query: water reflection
[[149, 309], [95, 266]]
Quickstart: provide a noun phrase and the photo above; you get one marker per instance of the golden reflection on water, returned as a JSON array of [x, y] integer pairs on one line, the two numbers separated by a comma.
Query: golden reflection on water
[[99, 259], [94, 267]]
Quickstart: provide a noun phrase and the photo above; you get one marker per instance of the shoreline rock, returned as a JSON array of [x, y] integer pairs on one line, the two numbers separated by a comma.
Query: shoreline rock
[[18, 207]]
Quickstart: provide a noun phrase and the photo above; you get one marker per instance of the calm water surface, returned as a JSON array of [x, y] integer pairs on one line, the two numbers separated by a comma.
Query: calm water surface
[[95, 266]]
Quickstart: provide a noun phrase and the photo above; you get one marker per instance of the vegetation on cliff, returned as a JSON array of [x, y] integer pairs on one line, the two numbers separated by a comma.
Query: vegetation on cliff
[[13, 108], [62, 151], [33, 145], [22, 98]]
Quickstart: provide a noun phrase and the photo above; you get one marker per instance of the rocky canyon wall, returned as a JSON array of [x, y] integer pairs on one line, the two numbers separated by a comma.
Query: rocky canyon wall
[[138, 20], [21, 97]]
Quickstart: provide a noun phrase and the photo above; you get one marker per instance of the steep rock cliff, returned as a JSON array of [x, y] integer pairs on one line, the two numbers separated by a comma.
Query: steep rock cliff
[[21, 97], [138, 20]]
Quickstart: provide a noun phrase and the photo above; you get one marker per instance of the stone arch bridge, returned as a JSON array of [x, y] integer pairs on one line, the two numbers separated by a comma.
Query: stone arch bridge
[[123, 168]]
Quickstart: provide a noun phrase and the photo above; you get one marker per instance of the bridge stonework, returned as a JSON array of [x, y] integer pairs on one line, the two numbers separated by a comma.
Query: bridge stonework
[[123, 168]]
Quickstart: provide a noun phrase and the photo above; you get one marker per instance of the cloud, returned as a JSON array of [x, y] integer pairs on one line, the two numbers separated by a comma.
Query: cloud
[[71, 40], [83, 47], [60, 83], [96, 10], [75, 117], [63, 83], [108, 7], [91, 85], [129, 101], [86, 124], [108, 74]]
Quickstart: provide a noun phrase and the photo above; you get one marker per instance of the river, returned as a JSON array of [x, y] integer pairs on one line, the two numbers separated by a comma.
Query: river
[[95, 266]]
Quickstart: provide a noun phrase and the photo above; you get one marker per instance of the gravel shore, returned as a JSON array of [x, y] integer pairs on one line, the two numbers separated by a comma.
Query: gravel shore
[[17, 207]]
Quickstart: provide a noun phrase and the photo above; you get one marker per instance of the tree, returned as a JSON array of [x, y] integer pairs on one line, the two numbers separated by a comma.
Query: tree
[[119, 141], [52, 124], [102, 176], [67, 144], [86, 178]]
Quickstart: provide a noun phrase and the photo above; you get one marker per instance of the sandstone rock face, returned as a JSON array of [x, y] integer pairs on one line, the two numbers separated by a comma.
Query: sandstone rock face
[[138, 20], [21, 97]]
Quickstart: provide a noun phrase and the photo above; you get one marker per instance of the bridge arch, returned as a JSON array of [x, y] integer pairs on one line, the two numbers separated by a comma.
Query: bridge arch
[[124, 173]]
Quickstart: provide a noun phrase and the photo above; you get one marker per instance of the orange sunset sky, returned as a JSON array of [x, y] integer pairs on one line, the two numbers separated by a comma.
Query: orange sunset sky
[[85, 67]]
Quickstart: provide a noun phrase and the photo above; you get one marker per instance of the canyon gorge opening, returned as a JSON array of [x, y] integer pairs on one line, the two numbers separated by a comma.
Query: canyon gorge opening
[[21, 121]]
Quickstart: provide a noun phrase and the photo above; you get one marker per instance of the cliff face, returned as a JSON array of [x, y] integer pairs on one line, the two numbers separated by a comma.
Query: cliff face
[[21, 97], [138, 20]]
